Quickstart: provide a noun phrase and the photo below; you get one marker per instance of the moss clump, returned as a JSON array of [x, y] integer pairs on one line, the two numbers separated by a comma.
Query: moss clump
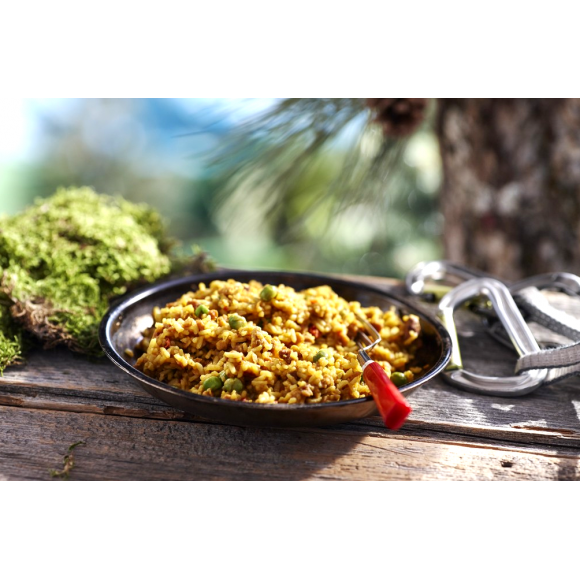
[[11, 345], [63, 259]]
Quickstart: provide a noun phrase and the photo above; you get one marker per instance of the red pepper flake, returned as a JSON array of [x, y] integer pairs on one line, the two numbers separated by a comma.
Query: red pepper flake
[[167, 343], [314, 331], [225, 308]]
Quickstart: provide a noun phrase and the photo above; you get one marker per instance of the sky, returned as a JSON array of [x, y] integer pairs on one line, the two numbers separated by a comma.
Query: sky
[[16, 129], [21, 119]]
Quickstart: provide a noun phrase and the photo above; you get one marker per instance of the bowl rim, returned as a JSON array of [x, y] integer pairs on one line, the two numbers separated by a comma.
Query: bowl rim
[[117, 309]]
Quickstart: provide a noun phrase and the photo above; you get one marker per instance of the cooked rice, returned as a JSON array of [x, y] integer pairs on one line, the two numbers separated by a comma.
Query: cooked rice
[[273, 353]]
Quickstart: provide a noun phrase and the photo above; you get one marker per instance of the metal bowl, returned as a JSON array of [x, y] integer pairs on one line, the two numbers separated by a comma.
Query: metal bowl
[[122, 328]]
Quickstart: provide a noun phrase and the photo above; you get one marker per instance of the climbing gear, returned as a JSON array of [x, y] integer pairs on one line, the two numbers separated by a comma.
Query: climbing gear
[[506, 310]]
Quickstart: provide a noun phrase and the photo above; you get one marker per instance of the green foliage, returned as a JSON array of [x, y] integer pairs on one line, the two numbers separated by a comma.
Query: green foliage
[[65, 257], [274, 154]]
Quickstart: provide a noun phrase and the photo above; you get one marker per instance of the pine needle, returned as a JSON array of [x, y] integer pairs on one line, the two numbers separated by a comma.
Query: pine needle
[[266, 159]]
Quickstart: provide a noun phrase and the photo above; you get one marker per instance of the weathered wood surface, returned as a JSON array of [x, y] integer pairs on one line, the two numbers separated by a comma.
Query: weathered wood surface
[[121, 448], [59, 398]]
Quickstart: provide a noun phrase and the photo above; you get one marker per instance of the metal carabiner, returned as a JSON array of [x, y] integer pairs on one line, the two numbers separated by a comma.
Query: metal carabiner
[[516, 327], [439, 270], [533, 304]]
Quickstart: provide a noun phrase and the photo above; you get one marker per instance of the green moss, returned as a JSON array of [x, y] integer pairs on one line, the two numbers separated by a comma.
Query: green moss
[[11, 346], [63, 259]]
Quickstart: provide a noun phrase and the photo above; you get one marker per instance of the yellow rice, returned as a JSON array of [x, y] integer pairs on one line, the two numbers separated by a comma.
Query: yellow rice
[[273, 353]]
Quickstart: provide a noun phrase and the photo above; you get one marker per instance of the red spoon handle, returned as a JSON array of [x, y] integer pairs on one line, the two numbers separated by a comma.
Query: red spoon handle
[[392, 406]]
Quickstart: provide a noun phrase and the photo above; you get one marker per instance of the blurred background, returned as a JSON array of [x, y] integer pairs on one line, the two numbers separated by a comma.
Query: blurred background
[[162, 152]]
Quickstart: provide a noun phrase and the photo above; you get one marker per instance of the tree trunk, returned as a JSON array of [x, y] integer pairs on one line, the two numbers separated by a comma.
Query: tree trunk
[[511, 192]]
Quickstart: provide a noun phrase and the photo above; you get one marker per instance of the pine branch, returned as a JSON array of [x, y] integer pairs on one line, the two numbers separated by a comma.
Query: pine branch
[[267, 157]]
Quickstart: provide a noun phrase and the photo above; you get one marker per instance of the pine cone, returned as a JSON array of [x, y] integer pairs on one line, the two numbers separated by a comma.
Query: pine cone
[[399, 117]]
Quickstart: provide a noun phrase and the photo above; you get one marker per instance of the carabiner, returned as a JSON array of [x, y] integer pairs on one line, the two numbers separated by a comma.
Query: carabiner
[[440, 270], [437, 270], [516, 327]]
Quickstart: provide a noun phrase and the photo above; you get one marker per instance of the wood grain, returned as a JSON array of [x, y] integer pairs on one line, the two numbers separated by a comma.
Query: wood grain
[[58, 398], [122, 448]]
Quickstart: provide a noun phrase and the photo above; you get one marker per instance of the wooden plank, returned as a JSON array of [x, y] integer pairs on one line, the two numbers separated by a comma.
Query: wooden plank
[[551, 416], [61, 381], [32, 442]]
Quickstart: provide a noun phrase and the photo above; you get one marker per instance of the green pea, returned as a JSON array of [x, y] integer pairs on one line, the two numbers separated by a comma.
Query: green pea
[[201, 310], [320, 354], [399, 379], [236, 322], [233, 385], [223, 376], [268, 293], [213, 384]]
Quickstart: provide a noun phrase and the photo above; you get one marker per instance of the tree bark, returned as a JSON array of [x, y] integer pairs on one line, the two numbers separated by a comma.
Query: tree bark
[[511, 191]]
